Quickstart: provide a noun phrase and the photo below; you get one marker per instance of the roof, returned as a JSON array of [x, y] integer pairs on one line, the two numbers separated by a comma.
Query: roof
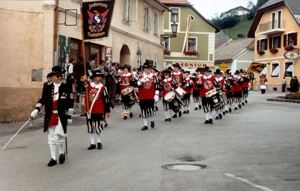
[[237, 8], [293, 6], [232, 49], [175, 2], [221, 39], [160, 4], [186, 3]]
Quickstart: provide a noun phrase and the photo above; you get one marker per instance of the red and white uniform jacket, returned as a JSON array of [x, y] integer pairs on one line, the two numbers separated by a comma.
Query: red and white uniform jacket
[[197, 84], [246, 82], [126, 80], [146, 87], [237, 84], [167, 86], [178, 77], [221, 83], [98, 103], [188, 85], [54, 118], [208, 83]]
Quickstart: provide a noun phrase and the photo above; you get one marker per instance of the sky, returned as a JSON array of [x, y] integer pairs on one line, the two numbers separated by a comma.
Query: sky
[[209, 8]]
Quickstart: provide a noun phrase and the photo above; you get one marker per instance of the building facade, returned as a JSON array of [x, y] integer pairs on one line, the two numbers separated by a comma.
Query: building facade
[[37, 37], [275, 29], [194, 45]]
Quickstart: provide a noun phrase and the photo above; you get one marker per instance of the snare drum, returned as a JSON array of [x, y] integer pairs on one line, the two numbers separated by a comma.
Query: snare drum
[[180, 92], [173, 101], [128, 96], [215, 98]]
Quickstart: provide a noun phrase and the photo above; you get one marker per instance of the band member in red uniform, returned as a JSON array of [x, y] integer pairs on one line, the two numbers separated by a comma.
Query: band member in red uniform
[[126, 81], [177, 75], [56, 99], [98, 105], [220, 84], [156, 75], [147, 95], [207, 83], [228, 91], [196, 90], [237, 90], [168, 84], [188, 85], [245, 85]]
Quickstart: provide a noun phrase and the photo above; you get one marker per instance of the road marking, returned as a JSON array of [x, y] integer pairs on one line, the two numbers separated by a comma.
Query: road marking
[[248, 182]]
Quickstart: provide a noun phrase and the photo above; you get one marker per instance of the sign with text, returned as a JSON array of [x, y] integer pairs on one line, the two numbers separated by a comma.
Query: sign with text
[[96, 17]]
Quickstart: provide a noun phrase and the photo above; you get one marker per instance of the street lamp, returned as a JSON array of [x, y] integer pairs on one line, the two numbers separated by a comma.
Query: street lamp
[[174, 28]]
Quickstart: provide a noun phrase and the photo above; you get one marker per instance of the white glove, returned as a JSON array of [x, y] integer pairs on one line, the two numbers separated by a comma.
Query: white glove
[[156, 98], [70, 121], [34, 114]]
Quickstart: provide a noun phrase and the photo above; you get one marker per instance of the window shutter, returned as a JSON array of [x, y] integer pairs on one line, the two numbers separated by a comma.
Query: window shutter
[[285, 40], [270, 43], [125, 10], [149, 20], [295, 36], [266, 44], [279, 46], [258, 46], [133, 10]]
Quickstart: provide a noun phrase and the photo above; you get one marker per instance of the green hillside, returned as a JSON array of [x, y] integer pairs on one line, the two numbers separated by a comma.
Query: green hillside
[[242, 28]]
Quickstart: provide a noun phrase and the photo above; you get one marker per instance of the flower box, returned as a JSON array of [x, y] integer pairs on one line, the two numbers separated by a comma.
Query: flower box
[[289, 48], [273, 50], [261, 52], [190, 52], [167, 52]]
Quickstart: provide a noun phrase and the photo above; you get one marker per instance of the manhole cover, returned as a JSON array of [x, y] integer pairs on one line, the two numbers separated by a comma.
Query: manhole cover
[[185, 167]]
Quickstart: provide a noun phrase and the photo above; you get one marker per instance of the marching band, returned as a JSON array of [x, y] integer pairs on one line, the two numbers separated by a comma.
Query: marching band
[[216, 93]]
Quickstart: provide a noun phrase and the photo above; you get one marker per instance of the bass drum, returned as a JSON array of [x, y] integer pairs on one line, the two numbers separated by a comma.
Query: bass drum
[[215, 98], [128, 96], [173, 101]]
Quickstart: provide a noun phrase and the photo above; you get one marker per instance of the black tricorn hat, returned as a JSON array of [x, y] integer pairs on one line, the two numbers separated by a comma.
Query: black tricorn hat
[[176, 65], [146, 65], [126, 66], [198, 70], [167, 71], [206, 69], [98, 73], [218, 71], [56, 70], [228, 71]]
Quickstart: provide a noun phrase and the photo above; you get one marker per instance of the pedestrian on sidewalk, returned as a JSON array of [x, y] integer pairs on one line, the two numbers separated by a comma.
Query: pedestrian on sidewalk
[[56, 99], [294, 85], [263, 83]]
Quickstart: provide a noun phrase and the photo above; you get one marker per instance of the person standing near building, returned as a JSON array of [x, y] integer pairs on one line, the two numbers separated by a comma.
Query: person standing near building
[[294, 85], [283, 84], [56, 99], [263, 83]]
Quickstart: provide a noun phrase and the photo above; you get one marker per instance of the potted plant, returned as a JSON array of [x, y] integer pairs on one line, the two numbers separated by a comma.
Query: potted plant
[[191, 52], [261, 52], [273, 50], [289, 48], [167, 52]]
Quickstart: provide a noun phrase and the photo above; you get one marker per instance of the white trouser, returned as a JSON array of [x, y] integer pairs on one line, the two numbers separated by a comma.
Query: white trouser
[[56, 140]]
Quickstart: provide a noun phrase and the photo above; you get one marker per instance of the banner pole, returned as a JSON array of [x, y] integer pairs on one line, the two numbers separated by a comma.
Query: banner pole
[[84, 56]]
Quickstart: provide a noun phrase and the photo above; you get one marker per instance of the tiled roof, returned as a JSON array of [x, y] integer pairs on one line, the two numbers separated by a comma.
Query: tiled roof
[[221, 39], [177, 2], [232, 49]]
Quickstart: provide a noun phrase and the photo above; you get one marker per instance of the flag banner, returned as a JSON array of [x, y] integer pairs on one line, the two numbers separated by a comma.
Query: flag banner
[[96, 17]]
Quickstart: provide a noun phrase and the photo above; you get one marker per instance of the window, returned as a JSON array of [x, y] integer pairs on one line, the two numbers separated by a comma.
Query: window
[[262, 45], [167, 43], [289, 69], [291, 39], [129, 12], [275, 70], [276, 20], [175, 14], [147, 23], [192, 44], [156, 23], [275, 42]]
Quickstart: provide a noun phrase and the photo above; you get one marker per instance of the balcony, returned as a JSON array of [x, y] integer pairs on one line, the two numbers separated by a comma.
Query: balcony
[[271, 28]]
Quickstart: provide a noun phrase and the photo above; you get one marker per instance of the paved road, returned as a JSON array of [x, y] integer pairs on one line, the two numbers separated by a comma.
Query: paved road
[[256, 148]]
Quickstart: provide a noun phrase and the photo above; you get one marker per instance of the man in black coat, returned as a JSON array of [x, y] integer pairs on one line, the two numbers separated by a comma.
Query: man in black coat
[[56, 99]]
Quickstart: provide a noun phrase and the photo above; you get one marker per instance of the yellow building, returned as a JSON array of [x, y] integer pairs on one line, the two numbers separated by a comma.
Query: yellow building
[[275, 29], [30, 33]]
